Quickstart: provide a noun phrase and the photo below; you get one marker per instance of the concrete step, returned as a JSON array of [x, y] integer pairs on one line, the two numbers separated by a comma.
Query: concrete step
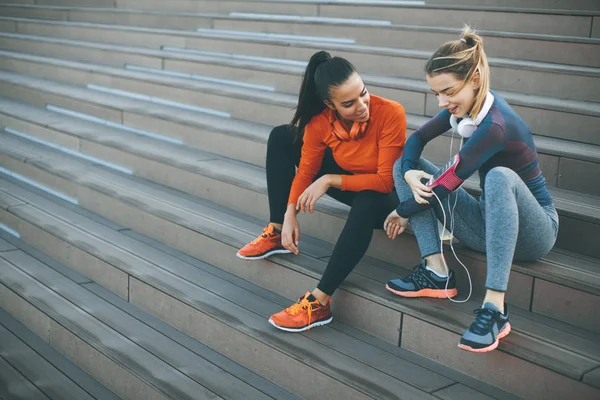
[[555, 356], [31, 369], [283, 74], [138, 357], [546, 116], [232, 183], [81, 3], [246, 141], [551, 22], [570, 50], [228, 315], [541, 4], [511, 74], [566, 165]]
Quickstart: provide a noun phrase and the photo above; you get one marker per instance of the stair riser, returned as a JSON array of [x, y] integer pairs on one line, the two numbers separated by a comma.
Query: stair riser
[[81, 3], [549, 24], [543, 4], [67, 52], [203, 6]]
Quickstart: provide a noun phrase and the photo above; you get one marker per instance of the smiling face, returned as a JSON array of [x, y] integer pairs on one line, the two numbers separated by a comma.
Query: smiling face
[[351, 100], [445, 86]]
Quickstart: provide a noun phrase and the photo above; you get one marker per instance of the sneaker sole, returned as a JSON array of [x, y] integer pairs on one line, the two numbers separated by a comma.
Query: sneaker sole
[[305, 328], [260, 257], [435, 293], [503, 333]]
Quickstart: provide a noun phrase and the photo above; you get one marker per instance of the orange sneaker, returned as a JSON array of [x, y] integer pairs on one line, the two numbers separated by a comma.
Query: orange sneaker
[[267, 244], [302, 316]]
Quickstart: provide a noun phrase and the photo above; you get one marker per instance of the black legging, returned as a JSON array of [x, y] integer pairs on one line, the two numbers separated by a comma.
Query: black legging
[[368, 208]]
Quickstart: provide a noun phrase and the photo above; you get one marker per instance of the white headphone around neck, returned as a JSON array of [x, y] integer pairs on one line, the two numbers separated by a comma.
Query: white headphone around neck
[[467, 126]]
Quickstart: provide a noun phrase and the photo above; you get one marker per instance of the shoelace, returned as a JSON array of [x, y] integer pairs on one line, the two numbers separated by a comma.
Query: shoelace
[[303, 304], [267, 232], [483, 321]]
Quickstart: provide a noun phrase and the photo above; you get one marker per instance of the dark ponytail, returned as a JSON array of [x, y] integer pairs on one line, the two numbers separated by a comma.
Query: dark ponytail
[[322, 72]]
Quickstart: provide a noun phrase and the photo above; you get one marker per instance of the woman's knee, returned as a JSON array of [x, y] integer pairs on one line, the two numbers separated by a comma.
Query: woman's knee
[[397, 171], [403, 190], [500, 176], [364, 210], [423, 165], [282, 135]]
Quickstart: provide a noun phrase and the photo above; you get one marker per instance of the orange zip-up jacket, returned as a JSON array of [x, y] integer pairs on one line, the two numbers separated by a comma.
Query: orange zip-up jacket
[[371, 158]]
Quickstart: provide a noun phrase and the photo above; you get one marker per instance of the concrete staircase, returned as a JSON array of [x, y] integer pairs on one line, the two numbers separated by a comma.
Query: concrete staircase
[[132, 154]]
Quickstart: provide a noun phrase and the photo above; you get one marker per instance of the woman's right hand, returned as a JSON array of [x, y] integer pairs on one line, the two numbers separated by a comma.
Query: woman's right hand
[[290, 232], [394, 225], [419, 189]]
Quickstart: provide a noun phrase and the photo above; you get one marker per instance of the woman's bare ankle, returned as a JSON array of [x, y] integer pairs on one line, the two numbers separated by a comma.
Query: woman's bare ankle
[[320, 296], [436, 263], [496, 298], [276, 226]]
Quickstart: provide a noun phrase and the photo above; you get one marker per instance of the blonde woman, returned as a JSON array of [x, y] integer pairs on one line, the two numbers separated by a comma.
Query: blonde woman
[[515, 216]]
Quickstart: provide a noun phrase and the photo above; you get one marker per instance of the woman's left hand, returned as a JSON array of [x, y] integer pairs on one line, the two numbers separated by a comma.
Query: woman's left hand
[[394, 225], [306, 201]]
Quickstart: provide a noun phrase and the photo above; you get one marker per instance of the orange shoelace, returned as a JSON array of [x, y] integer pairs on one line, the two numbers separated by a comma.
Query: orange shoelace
[[303, 304]]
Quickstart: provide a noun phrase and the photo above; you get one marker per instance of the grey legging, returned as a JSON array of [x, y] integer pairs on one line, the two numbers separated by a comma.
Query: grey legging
[[508, 224]]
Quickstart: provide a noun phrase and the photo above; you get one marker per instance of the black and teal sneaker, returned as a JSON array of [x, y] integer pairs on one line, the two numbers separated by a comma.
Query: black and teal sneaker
[[489, 327], [423, 283]]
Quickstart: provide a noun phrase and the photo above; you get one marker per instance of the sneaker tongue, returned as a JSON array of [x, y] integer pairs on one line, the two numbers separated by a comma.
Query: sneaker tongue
[[310, 297], [491, 306]]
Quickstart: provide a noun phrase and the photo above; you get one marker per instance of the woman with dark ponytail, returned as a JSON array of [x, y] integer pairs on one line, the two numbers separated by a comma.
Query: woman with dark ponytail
[[344, 142], [514, 217]]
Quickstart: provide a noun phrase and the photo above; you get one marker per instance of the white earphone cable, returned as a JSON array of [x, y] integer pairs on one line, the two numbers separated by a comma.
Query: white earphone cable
[[452, 235]]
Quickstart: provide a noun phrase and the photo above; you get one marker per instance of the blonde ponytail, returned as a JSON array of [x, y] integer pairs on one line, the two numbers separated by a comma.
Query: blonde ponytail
[[464, 58]]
